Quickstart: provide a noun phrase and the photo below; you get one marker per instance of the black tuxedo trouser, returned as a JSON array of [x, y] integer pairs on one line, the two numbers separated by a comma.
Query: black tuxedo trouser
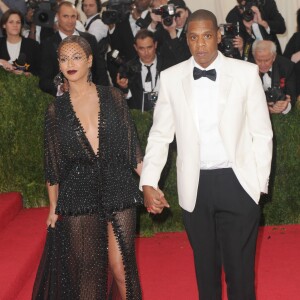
[[222, 231]]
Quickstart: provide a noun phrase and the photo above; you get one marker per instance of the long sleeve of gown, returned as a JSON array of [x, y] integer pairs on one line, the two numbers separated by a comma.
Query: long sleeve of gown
[[52, 152]]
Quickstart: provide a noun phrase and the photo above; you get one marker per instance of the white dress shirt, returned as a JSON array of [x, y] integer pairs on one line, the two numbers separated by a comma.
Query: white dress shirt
[[205, 96], [97, 28]]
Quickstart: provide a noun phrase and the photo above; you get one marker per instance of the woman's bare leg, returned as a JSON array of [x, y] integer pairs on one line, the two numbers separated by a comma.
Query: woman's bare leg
[[121, 253]]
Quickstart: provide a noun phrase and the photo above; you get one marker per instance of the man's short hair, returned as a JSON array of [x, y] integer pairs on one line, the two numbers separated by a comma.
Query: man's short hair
[[65, 3], [261, 45], [143, 34], [203, 15]]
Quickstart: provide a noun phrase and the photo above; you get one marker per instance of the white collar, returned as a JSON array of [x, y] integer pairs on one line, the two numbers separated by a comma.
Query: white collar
[[63, 35]]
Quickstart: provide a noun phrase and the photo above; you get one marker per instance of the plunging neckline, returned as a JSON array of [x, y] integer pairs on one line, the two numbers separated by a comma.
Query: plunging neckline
[[82, 130]]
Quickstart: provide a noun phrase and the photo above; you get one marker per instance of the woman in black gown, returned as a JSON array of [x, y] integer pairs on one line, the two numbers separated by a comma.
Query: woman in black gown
[[91, 150]]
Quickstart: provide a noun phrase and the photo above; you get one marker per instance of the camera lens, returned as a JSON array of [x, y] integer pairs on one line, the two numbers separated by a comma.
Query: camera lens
[[168, 21], [248, 15], [43, 17]]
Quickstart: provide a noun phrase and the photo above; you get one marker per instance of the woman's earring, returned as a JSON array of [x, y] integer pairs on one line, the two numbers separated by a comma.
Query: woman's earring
[[90, 77], [58, 79]]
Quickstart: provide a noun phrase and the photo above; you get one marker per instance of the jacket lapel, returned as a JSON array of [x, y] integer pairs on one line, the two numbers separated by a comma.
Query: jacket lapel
[[187, 86], [224, 86]]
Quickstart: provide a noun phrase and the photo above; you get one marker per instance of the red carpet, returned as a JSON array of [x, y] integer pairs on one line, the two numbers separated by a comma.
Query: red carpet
[[165, 260]]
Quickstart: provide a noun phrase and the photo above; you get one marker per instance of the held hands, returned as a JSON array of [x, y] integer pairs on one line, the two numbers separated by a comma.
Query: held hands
[[295, 57], [279, 106], [154, 200]]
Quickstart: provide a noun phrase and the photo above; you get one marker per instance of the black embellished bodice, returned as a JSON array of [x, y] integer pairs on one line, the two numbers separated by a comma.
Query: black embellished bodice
[[92, 183]]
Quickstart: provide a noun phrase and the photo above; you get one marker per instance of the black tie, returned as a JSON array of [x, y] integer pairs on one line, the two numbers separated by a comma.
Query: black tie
[[149, 75], [198, 73], [261, 74]]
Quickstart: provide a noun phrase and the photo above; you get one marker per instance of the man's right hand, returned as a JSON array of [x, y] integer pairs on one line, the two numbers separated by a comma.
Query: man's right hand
[[154, 200], [122, 82]]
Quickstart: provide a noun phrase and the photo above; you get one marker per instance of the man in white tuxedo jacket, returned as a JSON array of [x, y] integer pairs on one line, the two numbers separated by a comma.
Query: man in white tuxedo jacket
[[217, 109]]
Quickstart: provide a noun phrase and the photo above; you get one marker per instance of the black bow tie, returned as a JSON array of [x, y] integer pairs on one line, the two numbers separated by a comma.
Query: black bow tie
[[261, 74], [211, 74]]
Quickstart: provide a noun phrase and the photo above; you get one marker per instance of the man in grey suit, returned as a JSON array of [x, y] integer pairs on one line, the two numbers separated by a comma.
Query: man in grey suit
[[217, 108]]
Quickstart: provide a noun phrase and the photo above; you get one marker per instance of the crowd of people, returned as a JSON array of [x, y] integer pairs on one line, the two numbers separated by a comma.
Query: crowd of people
[[152, 55], [29, 44]]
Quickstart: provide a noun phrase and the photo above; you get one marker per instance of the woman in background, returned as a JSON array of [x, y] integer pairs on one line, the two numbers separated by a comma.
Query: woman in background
[[17, 54]]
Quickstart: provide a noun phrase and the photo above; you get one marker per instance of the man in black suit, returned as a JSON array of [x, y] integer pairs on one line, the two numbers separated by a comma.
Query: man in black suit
[[171, 37], [66, 18], [266, 21], [139, 78], [276, 72], [122, 33]]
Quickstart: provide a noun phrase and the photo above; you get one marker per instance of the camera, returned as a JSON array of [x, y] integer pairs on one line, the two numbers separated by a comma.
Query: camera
[[248, 14], [274, 94], [150, 99], [44, 12], [116, 11], [229, 31], [126, 69], [167, 13]]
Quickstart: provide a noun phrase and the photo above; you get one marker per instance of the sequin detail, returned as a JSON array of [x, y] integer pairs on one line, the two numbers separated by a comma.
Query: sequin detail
[[94, 189], [90, 183]]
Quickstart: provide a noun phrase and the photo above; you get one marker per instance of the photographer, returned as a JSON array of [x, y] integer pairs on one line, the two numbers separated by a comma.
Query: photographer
[[122, 32], [131, 17], [232, 44], [139, 78], [170, 32], [35, 31], [94, 24], [278, 77], [259, 20]]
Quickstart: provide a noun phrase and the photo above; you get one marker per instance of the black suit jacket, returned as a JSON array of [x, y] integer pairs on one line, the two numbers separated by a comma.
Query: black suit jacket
[[284, 70], [269, 13], [135, 84], [172, 51], [292, 47], [50, 67], [30, 48], [122, 38]]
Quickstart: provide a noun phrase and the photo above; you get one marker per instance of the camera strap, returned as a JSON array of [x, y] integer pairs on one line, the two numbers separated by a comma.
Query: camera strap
[[87, 26], [149, 78]]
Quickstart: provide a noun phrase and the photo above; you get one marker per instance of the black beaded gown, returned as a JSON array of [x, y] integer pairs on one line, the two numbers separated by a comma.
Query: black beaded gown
[[94, 189]]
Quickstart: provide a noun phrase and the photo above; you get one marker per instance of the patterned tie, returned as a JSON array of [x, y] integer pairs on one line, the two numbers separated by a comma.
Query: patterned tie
[[210, 74]]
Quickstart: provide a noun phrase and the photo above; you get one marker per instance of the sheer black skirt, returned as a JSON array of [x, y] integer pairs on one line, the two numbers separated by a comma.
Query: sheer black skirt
[[74, 264]]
